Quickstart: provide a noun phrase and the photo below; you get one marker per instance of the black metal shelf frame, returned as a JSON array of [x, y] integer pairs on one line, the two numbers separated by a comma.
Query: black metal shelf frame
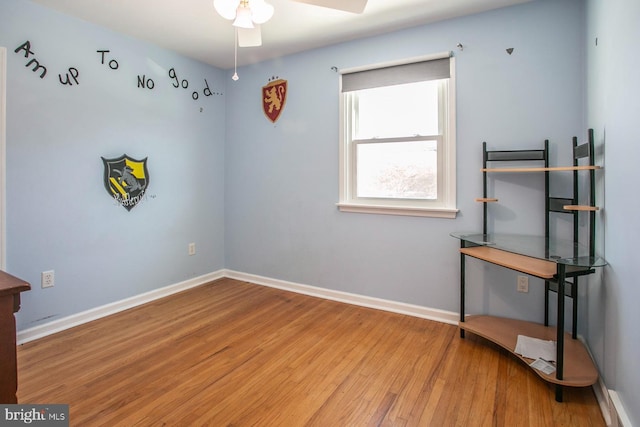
[[565, 282]]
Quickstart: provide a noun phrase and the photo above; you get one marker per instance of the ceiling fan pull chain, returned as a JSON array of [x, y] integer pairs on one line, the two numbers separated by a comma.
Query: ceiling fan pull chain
[[235, 58]]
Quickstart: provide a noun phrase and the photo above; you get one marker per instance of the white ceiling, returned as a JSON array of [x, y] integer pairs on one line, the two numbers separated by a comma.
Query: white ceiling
[[193, 28]]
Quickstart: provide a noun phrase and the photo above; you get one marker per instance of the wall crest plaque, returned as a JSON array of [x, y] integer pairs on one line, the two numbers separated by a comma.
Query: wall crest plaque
[[274, 96], [126, 179]]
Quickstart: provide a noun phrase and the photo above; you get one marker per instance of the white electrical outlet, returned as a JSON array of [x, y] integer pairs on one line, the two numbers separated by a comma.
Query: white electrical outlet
[[192, 248], [47, 279], [523, 284]]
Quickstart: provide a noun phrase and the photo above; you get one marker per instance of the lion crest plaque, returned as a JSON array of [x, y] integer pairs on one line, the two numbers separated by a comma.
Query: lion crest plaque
[[274, 96]]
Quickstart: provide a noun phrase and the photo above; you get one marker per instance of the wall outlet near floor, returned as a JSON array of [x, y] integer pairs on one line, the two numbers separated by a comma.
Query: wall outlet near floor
[[47, 279], [192, 248], [523, 284]]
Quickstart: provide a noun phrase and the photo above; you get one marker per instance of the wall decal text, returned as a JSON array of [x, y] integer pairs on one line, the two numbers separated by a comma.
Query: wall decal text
[[26, 47], [72, 76]]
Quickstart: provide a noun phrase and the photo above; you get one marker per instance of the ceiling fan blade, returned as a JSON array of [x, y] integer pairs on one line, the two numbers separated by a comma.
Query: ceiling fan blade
[[353, 6], [250, 37]]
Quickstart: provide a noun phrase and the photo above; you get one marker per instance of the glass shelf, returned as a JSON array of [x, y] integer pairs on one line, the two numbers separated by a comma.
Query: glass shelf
[[559, 251]]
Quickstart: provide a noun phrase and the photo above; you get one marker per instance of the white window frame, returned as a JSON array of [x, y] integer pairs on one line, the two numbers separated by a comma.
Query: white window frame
[[445, 206]]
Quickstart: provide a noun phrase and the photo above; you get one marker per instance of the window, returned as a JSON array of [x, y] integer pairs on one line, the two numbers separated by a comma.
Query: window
[[397, 148]]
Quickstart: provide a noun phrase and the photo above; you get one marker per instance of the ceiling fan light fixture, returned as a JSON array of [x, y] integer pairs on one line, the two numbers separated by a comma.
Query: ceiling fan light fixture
[[243, 17], [244, 13]]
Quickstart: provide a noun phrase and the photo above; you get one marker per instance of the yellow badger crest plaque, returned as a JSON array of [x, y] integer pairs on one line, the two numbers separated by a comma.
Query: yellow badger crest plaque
[[126, 179]]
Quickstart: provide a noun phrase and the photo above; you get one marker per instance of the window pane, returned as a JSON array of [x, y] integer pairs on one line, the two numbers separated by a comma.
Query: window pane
[[397, 111], [400, 170]]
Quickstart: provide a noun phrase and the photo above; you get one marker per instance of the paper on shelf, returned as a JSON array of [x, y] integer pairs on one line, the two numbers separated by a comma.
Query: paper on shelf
[[543, 366], [534, 348]]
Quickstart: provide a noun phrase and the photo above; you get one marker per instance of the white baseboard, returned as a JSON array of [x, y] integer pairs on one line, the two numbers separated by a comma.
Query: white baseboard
[[59, 325], [620, 417], [349, 298], [602, 396], [610, 404]]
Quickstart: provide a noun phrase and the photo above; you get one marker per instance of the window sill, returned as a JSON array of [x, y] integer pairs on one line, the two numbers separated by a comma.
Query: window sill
[[398, 210]]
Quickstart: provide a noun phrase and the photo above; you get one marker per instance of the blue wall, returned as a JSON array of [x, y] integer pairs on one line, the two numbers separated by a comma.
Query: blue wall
[[59, 215], [259, 197], [613, 106], [282, 179]]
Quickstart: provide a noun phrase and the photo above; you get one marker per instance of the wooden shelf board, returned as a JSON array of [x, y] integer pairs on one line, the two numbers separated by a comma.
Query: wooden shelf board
[[486, 199], [533, 266], [580, 208], [539, 169], [579, 368]]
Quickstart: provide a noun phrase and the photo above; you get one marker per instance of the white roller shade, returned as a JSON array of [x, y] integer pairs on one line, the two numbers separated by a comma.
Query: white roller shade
[[433, 69]]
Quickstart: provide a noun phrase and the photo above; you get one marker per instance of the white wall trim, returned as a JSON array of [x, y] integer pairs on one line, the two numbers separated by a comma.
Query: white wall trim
[[602, 396], [613, 411], [349, 298], [77, 319], [59, 325], [617, 409], [610, 404]]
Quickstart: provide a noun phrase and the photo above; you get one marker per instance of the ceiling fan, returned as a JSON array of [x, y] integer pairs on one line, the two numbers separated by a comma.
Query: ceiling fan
[[248, 15]]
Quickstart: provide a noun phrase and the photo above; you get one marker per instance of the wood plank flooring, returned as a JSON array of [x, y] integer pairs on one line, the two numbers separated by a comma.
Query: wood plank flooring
[[232, 353]]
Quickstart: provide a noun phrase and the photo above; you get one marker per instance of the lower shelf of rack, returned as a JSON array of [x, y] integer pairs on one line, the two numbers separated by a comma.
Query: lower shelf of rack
[[579, 369]]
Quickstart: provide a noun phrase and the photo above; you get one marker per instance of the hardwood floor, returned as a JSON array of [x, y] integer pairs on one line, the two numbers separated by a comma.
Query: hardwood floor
[[232, 353]]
